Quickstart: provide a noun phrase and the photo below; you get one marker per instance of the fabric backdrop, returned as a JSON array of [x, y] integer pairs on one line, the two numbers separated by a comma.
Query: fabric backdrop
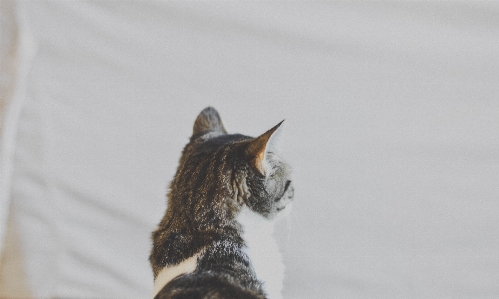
[[392, 128]]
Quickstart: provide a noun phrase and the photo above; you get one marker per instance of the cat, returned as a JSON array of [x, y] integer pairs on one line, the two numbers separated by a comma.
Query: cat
[[215, 240]]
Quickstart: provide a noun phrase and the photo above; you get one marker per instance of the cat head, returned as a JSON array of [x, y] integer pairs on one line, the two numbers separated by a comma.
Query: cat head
[[221, 173]]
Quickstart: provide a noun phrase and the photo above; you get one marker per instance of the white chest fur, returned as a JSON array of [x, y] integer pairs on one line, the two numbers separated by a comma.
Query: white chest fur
[[262, 249], [170, 272]]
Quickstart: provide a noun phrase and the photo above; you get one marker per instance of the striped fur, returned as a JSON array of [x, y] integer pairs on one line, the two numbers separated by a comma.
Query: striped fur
[[220, 175]]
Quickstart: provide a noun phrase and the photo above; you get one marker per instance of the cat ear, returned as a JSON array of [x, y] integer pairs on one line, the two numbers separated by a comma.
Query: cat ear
[[208, 120], [257, 150]]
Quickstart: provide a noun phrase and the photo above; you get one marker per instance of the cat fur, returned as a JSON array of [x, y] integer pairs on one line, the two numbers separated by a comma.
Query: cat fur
[[215, 240]]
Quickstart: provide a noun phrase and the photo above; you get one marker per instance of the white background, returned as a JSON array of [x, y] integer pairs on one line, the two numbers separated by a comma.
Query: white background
[[392, 129]]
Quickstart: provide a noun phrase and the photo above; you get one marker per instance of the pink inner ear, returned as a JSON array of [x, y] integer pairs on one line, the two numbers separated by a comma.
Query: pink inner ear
[[260, 162], [257, 147]]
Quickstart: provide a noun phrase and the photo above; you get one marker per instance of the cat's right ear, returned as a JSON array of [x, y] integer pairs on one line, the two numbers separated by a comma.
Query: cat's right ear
[[208, 121], [256, 151]]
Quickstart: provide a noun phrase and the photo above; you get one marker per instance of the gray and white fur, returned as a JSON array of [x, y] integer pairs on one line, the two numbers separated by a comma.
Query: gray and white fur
[[215, 239]]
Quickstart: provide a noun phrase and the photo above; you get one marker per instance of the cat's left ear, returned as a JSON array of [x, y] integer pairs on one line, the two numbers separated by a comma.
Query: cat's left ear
[[208, 120], [257, 150]]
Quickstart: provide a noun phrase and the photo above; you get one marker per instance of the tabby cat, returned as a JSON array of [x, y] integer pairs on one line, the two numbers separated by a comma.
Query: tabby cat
[[215, 239]]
